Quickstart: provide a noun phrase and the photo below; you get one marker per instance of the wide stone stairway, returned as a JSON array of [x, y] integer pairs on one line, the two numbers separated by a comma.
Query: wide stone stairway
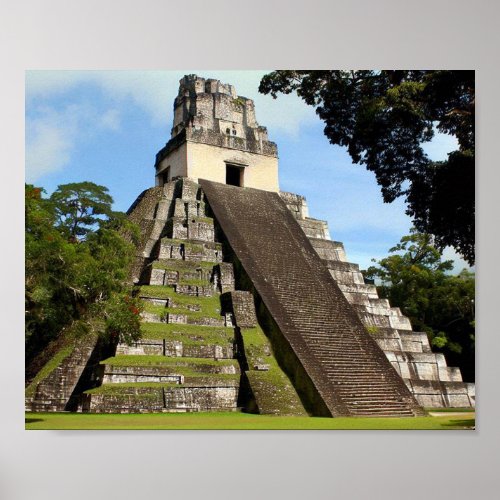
[[342, 365]]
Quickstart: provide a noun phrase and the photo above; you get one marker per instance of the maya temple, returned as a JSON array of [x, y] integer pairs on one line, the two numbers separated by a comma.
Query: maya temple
[[248, 303]]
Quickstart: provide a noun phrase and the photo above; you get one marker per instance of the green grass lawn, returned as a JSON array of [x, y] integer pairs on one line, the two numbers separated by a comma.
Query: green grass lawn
[[237, 421], [449, 410]]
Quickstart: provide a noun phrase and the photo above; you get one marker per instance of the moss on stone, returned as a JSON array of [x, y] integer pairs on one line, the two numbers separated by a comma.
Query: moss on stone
[[65, 345], [188, 334], [273, 391], [205, 220], [127, 388], [176, 264], [198, 247], [168, 292], [208, 306], [153, 360], [372, 330], [193, 282], [141, 388], [239, 101], [49, 367]]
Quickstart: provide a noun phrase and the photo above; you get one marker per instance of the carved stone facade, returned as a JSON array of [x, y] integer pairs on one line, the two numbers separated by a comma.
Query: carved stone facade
[[216, 136]]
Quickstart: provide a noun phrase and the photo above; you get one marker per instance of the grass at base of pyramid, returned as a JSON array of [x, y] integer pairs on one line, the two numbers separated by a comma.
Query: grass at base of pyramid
[[239, 421]]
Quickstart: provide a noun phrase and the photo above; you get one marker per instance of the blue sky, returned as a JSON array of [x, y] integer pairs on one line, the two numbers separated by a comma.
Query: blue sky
[[106, 127]]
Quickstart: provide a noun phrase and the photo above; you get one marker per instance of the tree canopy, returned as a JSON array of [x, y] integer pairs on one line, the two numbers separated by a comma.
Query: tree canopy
[[415, 279], [80, 206], [384, 118], [68, 278]]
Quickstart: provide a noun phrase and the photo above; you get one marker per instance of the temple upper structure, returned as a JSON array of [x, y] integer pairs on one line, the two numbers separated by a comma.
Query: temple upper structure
[[215, 136]]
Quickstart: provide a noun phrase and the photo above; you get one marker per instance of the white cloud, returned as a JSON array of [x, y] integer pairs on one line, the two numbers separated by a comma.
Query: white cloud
[[110, 119], [48, 148], [52, 135]]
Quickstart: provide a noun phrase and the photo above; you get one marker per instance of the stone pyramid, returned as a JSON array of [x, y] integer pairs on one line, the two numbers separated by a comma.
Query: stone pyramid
[[248, 302]]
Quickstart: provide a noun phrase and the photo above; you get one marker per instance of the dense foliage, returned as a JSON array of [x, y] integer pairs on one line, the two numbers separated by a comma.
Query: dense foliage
[[76, 265], [384, 118], [415, 279]]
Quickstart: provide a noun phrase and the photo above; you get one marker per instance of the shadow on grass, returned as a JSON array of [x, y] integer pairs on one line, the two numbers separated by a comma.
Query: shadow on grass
[[32, 420], [469, 423]]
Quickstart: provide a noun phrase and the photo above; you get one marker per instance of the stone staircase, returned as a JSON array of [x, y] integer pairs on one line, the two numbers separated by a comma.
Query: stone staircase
[[425, 373], [344, 371]]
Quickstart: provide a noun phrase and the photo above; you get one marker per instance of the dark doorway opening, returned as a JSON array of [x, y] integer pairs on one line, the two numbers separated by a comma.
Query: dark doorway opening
[[234, 175], [165, 176]]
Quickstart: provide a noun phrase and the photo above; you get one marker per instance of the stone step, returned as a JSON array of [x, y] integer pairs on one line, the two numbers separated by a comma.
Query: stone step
[[377, 404], [372, 409], [365, 390], [382, 413], [358, 387], [157, 398], [132, 369], [371, 396]]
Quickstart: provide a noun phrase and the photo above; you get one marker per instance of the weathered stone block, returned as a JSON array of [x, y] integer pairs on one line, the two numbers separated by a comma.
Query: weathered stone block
[[329, 250], [156, 301], [224, 277], [201, 398], [296, 203], [437, 394], [200, 229], [212, 351], [314, 228], [157, 277], [134, 400], [243, 308], [399, 322], [206, 321], [369, 290], [389, 344], [143, 346], [180, 319], [134, 374], [170, 250], [194, 290], [151, 317]]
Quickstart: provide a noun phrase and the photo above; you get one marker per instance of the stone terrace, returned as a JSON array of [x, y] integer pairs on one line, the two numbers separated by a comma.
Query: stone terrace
[[192, 347]]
